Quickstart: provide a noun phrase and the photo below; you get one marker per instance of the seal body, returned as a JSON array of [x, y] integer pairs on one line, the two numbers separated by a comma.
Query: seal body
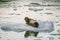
[[32, 23]]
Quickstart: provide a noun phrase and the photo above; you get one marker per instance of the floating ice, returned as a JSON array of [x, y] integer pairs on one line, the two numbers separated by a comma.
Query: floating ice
[[44, 26], [33, 5], [35, 9]]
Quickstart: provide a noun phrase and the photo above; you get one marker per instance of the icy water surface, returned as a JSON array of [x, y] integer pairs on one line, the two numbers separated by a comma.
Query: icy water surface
[[13, 14]]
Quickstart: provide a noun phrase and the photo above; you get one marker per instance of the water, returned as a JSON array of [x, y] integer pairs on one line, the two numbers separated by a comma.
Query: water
[[9, 11]]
